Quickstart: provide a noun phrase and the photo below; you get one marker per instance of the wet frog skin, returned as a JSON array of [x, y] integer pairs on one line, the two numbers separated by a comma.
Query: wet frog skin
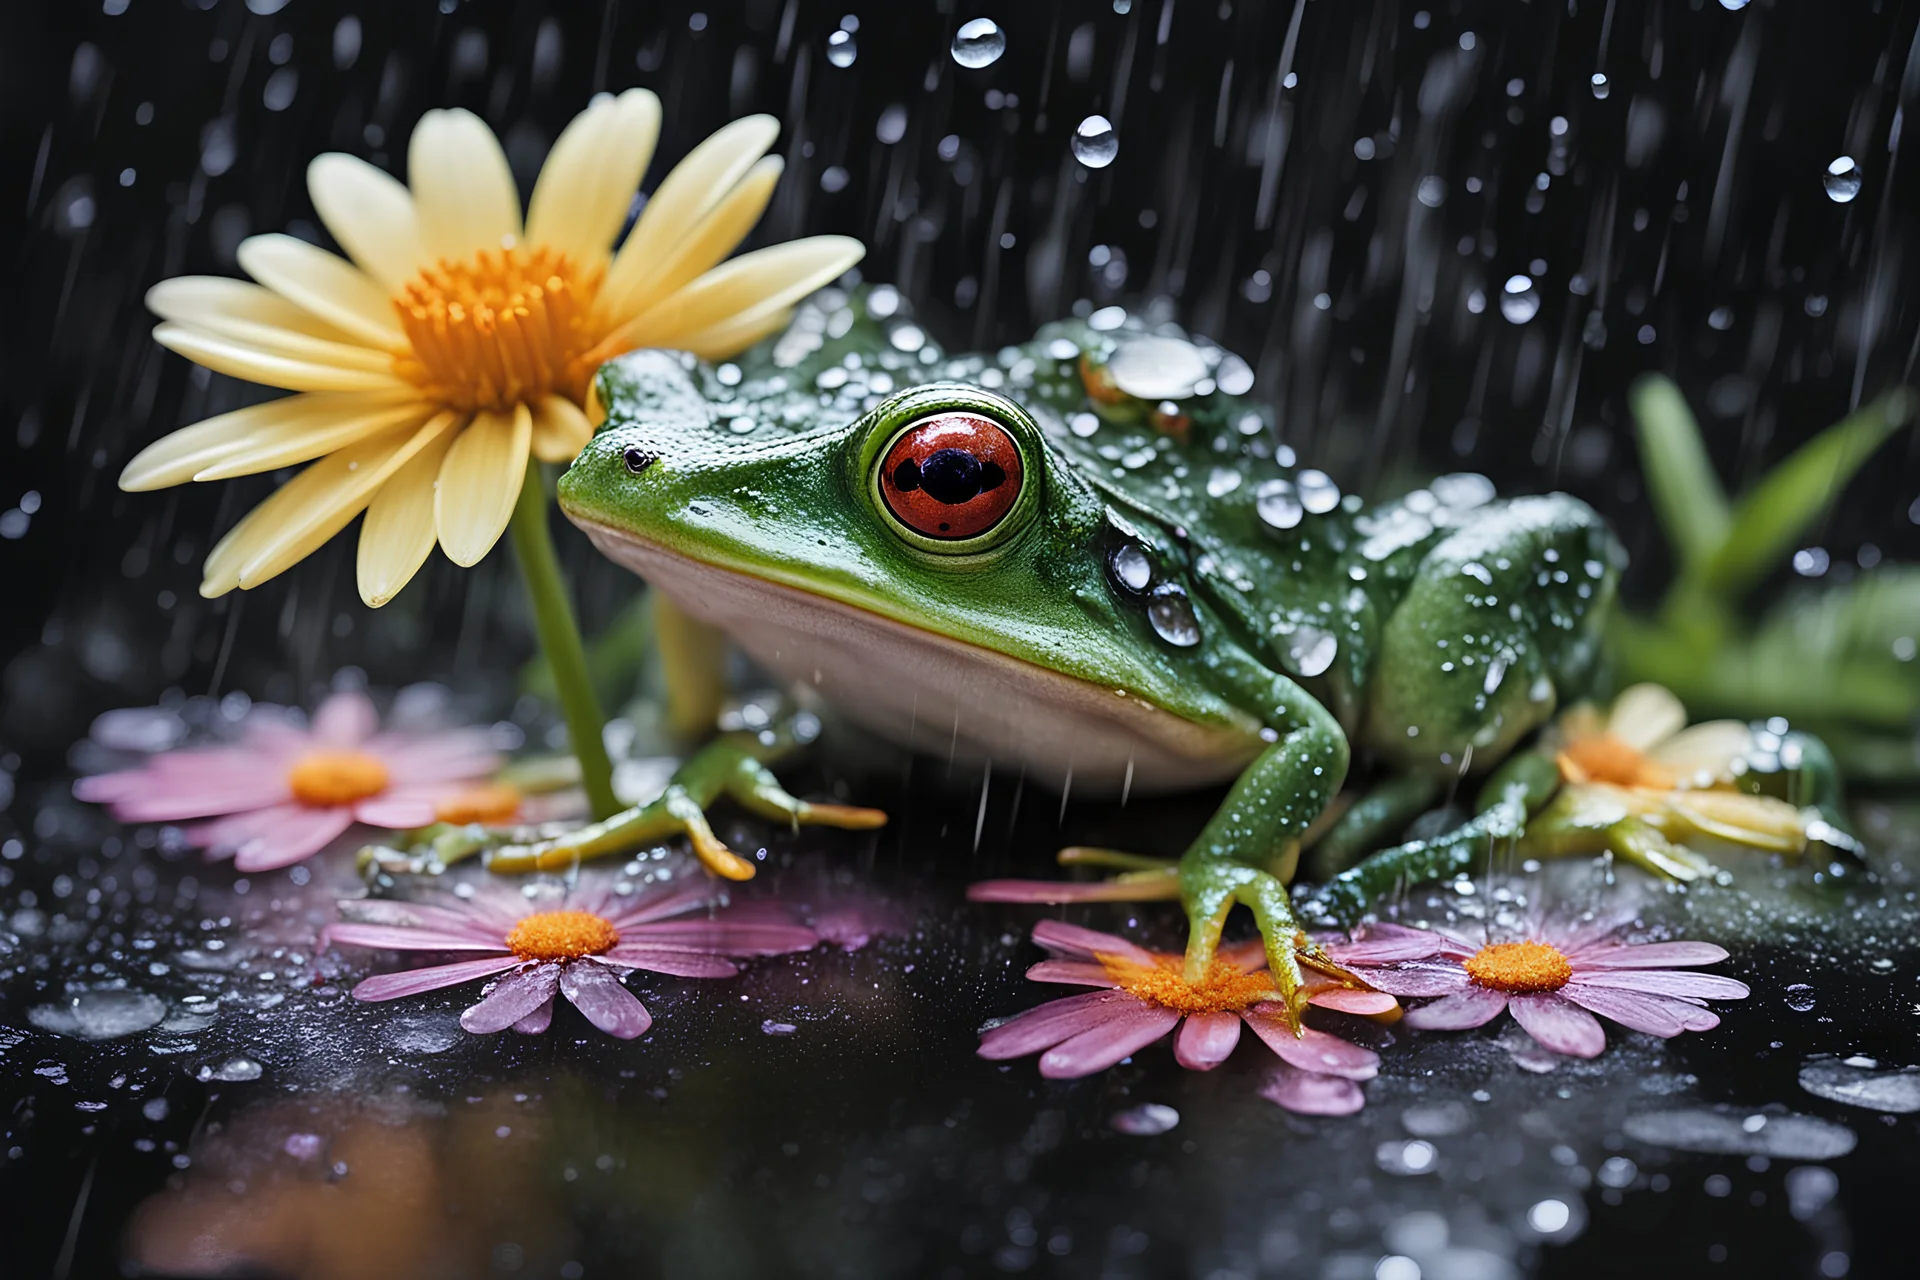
[[1088, 558]]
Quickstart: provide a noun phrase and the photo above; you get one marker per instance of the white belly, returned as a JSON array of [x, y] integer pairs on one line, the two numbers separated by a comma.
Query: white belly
[[940, 696]]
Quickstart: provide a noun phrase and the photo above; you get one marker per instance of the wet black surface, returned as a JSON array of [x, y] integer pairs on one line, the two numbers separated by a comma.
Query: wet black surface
[[870, 1140]]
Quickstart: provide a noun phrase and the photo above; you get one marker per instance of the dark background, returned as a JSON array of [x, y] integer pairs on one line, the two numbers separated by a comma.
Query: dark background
[[1679, 222]]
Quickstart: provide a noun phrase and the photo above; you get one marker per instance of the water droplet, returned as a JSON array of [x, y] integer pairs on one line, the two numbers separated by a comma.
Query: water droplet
[[100, 1015], [1083, 424], [1095, 144], [1799, 997], [1462, 489], [1171, 614], [770, 1026], [1234, 376], [1733, 6], [1896, 1092], [1277, 504], [1310, 651], [1519, 300], [1601, 86], [1157, 368], [841, 50], [979, 43], [1145, 1121], [1414, 1156], [1222, 481], [1432, 191], [233, 1069], [1549, 1216], [1843, 180], [1318, 493], [1131, 566]]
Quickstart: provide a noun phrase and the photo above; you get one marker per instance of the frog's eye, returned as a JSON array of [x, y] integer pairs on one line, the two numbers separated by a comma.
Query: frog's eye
[[951, 476]]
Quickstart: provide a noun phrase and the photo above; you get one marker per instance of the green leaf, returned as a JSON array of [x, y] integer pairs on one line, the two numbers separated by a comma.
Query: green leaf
[[1787, 501], [1680, 476]]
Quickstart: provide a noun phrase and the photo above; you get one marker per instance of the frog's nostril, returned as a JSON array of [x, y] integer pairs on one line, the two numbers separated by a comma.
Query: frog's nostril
[[639, 460]]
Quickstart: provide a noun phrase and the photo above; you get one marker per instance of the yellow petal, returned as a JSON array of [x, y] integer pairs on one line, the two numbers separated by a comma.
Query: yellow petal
[[763, 281], [269, 451], [270, 368], [480, 481], [588, 181], [720, 230], [1707, 749], [290, 344], [178, 457], [1760, 822], [397, 535], [371, 214], [462, 186], [1644, 715], [208, 302], [731, 337], [696, 184], [560, 429], [327, 286]]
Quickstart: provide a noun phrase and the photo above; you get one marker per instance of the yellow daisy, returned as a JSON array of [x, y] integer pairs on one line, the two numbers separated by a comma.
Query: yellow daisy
[[460, 338]]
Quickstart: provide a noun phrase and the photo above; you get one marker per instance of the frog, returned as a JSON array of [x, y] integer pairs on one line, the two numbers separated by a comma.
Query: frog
[[1093, 557]]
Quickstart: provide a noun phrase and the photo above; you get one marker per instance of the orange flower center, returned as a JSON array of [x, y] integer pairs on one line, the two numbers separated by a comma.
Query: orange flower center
[[505, 328], [493, 802], [1601, 757], [1520, 966], [1225, 989], [562, 935], [337, 777]]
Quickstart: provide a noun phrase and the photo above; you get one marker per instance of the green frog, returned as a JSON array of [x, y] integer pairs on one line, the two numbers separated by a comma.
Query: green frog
[[1092, 557]]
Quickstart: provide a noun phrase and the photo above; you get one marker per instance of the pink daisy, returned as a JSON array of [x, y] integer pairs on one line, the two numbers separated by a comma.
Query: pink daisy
[[1145, 995], [1553, 982], [283, 793], [582, 950]]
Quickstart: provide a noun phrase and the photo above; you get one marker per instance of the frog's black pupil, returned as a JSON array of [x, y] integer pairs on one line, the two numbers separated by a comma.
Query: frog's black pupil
[[638, 460], [906, 476], [950, 476]]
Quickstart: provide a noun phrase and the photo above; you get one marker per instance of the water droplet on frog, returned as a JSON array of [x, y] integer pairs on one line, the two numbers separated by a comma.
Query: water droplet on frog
[[1277, 504], [1310, 651], [907, 337], [1799, 997], [1234, 376], [1145, 1121], [1601, 86], [979, 43], [1318, 493], [1157, 368], [841, 50], [1171, 614], [741, 426], [1461, 489], [1519, 300], [1083, 424], [1843, 180], [1131, 566], [1095, 144], [1222, 481]]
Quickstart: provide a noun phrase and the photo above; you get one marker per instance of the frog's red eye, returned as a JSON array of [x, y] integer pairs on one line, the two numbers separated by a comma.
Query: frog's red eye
[[952, 476]]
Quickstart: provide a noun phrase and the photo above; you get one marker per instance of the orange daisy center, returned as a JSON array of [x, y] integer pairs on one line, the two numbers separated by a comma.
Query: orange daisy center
[[1225, 989], [562, 935], [1520, 966], [337, 777], [1601, 757], [493, 802], [503, 328]]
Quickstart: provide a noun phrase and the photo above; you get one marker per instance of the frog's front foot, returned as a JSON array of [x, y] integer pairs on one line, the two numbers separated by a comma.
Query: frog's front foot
[[1209, 888]]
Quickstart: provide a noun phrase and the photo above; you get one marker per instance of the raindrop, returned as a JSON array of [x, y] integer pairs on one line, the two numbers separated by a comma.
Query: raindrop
[[1724, 1132], [1145, 1121], [979, 43], [100, 1015], [233, 1069], [1277, 504], [1234, 376], [1601, 86], [1131, 566], [841, 51], [1318, 493], [1462, 489], [1310, 651], [1842, 180], [1095, 144], [1549, 1216], [1733, 6], [773, 1027], [1083, 425], [1171, 614], [1519, 300], [1412, 1157], [1432, 191], [1799, 997], [1157, 368], [1222, 481], [1896, 1092]]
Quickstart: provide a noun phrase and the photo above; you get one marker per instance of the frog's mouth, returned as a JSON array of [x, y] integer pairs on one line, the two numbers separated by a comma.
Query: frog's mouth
[[938, 694]]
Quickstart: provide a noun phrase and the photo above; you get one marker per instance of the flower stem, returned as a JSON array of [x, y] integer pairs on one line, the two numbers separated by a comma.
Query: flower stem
[[560, 641]]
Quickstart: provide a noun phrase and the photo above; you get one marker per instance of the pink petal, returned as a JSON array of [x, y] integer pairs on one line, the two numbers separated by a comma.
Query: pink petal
[[396, 813], [606, 1003], [1123, 1033], [1631, 1009], [268, 735], [1086, 944], [1082, 973], [1311, 1094], [437, 757], [1044, 1026], [1347, 1000], [1387, 943], [1694, 986], [1206, 1040], [418, 915], [298, 833], [151, 796], [1646, 955], [512, 998], [672, 961], [1473, 1006], [724, 936], [1054, 892], [1312, 1050], [536, 1022], [345, 720], [386, 937], [1694, 1018], [1558, 1025], [409, 982], [1438, 978], [660, 906]]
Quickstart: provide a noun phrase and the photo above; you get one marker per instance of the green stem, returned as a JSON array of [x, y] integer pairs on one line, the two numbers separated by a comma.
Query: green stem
[[560, 641]]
